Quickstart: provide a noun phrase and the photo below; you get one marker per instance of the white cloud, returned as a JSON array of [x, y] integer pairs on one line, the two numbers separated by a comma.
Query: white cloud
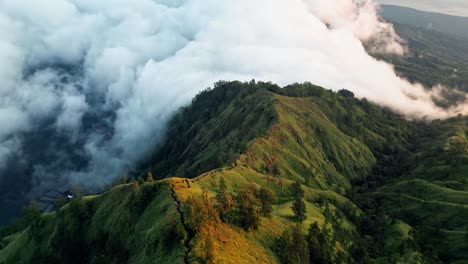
[[73, 109], [144, 59]]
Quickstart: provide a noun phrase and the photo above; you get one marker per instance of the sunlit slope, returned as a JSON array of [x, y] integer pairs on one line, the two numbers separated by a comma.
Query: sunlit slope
[[301, 132], [233, 244], [214, 129], [378, 184], [305, 145]]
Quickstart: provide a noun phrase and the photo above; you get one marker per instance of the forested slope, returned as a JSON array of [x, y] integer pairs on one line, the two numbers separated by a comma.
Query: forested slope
[[273, 175]]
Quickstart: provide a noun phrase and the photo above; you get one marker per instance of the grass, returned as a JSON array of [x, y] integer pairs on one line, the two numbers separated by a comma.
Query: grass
[[324, 140], [112, 225]]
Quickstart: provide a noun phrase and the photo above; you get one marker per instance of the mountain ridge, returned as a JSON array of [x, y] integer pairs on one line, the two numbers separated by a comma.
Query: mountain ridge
[[347, 153]]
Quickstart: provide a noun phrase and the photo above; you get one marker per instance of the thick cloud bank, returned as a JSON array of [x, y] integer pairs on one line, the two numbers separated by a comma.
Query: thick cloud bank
[[87, 86]]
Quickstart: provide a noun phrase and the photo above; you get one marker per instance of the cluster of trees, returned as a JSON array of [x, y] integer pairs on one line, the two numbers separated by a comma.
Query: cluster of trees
[[331, 242], [244, 209], [295, 247], [200, 212]]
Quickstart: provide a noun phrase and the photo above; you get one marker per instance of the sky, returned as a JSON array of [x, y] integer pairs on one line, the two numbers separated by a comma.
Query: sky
[[451, 7]]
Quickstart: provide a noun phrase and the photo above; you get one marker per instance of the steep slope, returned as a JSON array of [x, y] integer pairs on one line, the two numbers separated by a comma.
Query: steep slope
[[300, 132], [356, 163], [127, 224], [433, 196], [214, 129]]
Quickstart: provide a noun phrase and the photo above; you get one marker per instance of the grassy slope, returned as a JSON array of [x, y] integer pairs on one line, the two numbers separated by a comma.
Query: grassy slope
[[434, 194], [307, 146], [108, 230], [325, 140], [312, 143], [301, 152], [214, 129], [233, 244]]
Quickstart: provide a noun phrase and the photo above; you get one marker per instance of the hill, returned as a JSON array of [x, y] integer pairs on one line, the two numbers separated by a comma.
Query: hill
[[435, 58], [367, 187], [432, 196], [437, 55], [448, 24]]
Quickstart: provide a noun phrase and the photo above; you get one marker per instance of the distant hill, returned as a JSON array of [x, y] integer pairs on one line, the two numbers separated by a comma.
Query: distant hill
[[448, 24], [380, 188], [433, 58], [438, 54]]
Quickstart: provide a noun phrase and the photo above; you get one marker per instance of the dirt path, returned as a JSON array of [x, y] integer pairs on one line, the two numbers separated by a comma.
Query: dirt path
[[188, 230]]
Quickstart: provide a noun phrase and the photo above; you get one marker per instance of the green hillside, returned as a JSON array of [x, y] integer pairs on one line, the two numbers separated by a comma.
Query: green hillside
[[126, 224], [366, 186], [453, 25], [433, 196], [434, 58]]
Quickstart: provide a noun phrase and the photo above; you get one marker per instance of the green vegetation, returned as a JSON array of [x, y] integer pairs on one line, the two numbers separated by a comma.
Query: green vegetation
[[298, 207], [452, 25], [433, 59], [310, 176], [212, 132], [432, 197], [115, 227], [293, 246]]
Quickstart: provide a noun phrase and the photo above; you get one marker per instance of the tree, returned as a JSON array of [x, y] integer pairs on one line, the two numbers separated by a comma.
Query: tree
[[298, 207], [150, 177], [135, 186], [293, 246], [31, 212], [346, 93], [124, 179], [267, 198], [60, 202], [200, 211], [318, 244], [225, 200], [141, 180], [296, 190], [249, 207], [243, 147]]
